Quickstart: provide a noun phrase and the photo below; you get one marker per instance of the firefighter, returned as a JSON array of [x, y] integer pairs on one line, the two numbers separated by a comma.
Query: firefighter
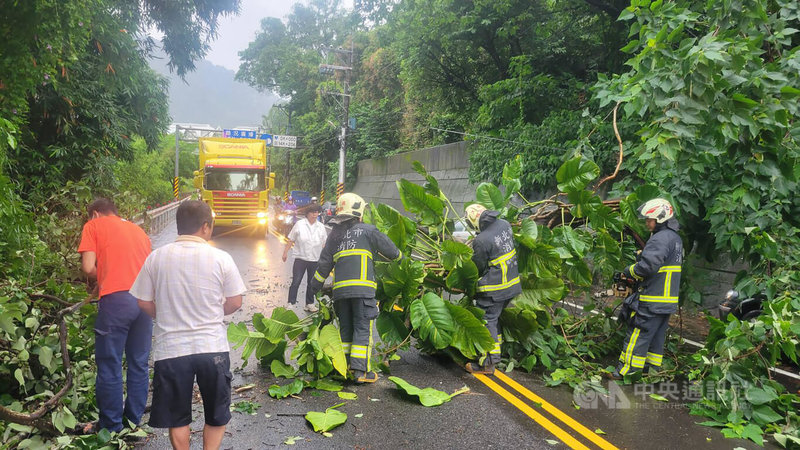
[[496, 258], [658, 271], [351, 247]]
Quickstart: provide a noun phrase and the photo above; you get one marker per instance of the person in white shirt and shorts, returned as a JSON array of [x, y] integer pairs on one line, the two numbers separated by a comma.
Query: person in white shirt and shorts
[[188, 287], [307, 239]]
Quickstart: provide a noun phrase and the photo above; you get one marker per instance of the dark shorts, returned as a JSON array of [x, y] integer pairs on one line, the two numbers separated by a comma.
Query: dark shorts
[[173, 383]]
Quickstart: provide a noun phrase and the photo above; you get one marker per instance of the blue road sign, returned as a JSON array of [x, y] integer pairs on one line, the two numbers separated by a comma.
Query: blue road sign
[[242, 134], [267, 138]]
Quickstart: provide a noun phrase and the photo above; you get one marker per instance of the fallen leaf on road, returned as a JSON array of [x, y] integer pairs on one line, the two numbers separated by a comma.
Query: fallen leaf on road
[[374, 399], [327, 434], [658, 397], [348, 395], [328, 420], [599, 431], [292, 439], [551, 442], [359, 415]]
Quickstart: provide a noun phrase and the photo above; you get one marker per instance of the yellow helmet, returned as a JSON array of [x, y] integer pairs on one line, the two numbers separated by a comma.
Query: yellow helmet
[[474, 212], [350, 204]]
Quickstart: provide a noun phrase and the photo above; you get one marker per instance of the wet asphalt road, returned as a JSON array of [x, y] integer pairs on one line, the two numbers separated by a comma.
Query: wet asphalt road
[[479, 419]]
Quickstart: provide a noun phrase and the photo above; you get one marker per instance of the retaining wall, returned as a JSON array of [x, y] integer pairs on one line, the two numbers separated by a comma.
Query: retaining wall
[[449, 164]]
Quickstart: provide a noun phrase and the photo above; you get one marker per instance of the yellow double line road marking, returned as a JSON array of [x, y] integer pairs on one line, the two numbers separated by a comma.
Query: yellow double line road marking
[[539, 418]]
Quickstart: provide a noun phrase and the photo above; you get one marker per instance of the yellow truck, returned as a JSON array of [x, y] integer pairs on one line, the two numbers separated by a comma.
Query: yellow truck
[[234, 182]]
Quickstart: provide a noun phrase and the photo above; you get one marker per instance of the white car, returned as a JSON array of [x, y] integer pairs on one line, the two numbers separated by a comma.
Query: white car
[[461, 233]]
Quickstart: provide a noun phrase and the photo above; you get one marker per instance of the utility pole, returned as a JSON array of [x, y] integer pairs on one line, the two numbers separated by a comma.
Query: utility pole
[[287, 109], [328, 69]]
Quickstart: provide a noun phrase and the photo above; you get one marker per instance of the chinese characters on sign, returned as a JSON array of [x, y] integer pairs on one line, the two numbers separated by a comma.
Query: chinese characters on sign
[[242, 134]]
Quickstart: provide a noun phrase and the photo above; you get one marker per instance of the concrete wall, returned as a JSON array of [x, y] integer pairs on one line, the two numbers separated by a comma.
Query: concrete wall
[[447, 163]]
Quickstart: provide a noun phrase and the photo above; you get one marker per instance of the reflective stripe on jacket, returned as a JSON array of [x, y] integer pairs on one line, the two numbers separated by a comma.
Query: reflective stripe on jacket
[[659, 270], [496, 258], [352, 252]]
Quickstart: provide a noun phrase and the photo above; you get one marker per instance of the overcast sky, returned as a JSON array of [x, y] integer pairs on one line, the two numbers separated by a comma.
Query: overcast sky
[[235, 33]]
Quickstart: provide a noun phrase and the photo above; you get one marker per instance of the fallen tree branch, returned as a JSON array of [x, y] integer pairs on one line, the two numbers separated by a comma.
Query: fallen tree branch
[[37, 418], [619, 161]]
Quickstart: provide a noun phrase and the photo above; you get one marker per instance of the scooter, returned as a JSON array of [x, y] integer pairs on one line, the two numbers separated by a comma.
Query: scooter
[[742, 309]]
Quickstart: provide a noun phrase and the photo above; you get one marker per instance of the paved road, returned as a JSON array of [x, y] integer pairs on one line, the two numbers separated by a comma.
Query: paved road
[[511, 410]]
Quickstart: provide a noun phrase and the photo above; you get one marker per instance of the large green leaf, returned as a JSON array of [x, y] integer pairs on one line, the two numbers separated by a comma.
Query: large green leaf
[[517, 323], [629, 214], [428, 396], [430, 316], [328, 420], [402, 278], [453, 253], [575, 241], [238, 333], [512, 170], [578, 272], [490, 196], [330, 343], [389, 221], [528, 232], [281, 323], [576, 174], [540, 290], [584, 202], [470, 336], [760, 396], [604, 217], [293, 388], [279, 369], [543, 260], [463, 277], [429, 209], [392, 327]]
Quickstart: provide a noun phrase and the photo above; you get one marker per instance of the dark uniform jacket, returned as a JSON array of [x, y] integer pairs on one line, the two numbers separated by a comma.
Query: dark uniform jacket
[[659, 269], [353, 252], [496, 258]]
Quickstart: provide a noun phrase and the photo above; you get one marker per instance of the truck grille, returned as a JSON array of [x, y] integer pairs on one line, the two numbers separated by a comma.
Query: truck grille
[[235, 207]]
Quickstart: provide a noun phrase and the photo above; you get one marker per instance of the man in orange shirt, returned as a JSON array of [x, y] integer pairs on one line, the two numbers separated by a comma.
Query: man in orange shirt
[[113, 251]]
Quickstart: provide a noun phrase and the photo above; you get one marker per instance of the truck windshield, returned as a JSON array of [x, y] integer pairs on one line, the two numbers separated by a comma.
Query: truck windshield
[[234, 180]]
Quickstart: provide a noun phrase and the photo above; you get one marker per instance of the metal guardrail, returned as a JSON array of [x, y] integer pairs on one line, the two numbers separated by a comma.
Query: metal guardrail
[[155, 220]]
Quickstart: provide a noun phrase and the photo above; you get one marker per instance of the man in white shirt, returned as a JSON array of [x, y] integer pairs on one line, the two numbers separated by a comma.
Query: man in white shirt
[[307, 238], [188, 287]]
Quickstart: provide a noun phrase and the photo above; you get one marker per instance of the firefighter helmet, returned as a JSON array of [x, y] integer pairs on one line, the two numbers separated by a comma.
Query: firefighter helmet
[[350, 204], [658, 208], [474, 212]]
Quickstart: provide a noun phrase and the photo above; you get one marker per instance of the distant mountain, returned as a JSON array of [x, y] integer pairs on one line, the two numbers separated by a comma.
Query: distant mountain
[[211, 95]]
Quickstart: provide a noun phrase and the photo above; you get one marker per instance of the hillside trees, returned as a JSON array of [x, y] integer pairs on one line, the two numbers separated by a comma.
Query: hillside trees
[[76, 86], [76, 93]]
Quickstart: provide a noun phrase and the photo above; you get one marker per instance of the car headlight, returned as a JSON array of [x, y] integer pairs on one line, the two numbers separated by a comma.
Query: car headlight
[[261, 215]]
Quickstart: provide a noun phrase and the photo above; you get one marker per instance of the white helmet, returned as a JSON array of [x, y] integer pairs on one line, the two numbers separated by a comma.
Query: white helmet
[[473, 213], [350, 204], [658, 208]]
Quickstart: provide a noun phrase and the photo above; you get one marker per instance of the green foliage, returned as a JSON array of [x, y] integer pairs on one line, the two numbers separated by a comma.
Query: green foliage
[[293, 388], [712, 87], [246, 407], [328, 420], [428, 396]]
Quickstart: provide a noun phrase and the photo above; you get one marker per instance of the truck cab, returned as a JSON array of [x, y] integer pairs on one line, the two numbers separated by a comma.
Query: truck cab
[[234, 182]]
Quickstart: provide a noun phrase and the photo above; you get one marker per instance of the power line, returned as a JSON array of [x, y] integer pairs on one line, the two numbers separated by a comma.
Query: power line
[[491, 138]]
